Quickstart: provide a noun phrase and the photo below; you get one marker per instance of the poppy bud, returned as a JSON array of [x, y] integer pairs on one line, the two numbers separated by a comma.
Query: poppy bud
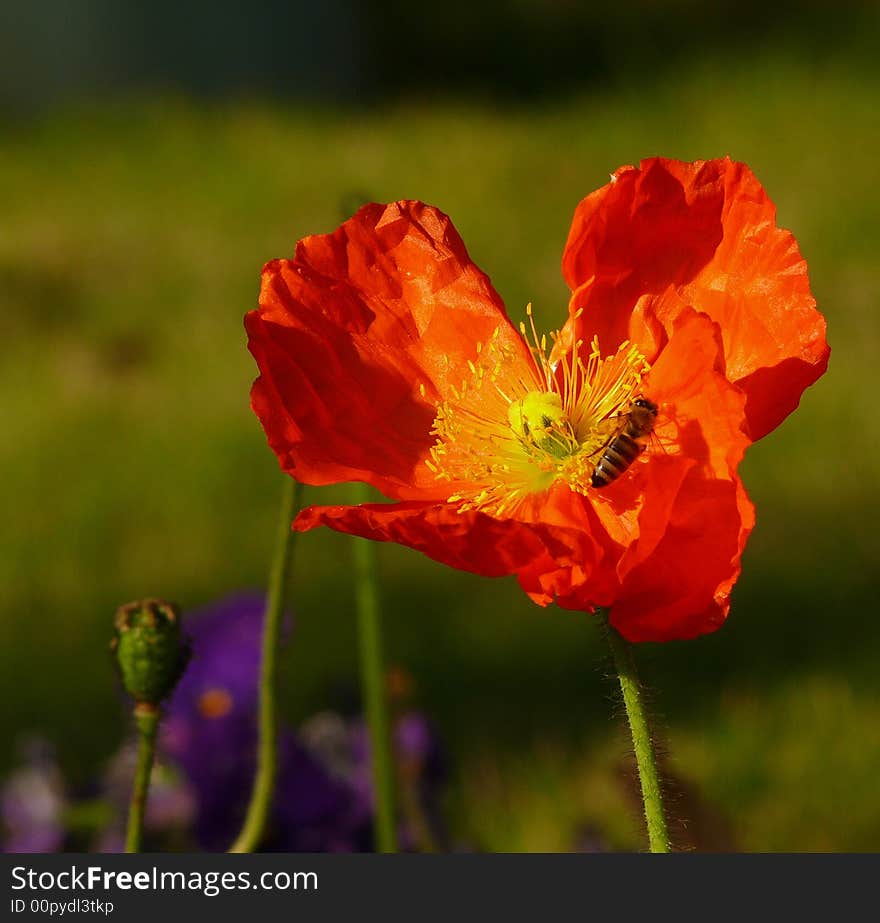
[[150, 649]]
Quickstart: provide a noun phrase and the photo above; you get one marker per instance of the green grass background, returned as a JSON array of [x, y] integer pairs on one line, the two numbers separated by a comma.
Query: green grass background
[[131, 238]]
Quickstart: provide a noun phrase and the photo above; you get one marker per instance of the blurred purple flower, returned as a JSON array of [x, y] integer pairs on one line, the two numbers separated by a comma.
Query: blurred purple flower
[[32, 801], [344, 748], [210, 731]]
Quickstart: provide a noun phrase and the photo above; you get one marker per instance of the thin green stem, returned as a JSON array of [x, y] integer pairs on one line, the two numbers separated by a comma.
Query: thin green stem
[[624, 663], [267, 751], [373, 686], [147, 721]]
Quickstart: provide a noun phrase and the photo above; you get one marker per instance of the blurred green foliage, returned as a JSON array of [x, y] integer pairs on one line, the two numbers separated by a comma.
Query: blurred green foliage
[[131, 240]]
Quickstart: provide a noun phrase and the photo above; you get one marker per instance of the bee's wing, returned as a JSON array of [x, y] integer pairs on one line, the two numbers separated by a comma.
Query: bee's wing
[[655, 444], [663, 439]]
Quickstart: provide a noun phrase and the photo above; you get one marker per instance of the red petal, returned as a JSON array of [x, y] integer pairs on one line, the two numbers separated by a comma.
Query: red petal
[[350, 333], [640, 233], [549, 555], [682, 589], [708, 230], [695, 518], [682, 501]]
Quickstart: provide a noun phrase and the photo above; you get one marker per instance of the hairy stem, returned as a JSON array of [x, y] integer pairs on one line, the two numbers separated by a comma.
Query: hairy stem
[[633, 700]]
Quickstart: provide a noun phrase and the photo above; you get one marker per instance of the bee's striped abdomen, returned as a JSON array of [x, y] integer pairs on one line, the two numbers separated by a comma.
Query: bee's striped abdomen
[[616, 457], [627, 444]]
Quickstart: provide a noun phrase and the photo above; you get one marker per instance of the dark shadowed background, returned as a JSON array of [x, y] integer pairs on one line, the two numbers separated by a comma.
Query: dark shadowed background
[[152, 157]]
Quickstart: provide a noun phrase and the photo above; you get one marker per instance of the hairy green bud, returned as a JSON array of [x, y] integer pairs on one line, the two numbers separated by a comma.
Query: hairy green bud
[[150, 649]]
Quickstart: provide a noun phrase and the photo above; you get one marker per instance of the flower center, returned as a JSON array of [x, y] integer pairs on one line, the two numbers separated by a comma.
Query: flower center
[[516, 427]]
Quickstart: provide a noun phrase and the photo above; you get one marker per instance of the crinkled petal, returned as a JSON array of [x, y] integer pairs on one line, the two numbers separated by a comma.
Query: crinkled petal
[[682, 589], [683, 497], [550, 555], [708, 231], [640, 233], [357, 339], [695, 516]]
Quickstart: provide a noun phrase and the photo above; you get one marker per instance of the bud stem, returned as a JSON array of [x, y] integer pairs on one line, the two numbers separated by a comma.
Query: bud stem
[[373, 686], [146, 718], [267, 753], [624, 663]]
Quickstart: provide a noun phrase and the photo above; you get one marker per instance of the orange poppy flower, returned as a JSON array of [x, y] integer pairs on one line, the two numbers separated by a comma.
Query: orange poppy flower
[[599, 466]]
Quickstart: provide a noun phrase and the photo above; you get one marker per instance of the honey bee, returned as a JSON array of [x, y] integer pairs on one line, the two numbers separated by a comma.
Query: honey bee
[[625, 446]]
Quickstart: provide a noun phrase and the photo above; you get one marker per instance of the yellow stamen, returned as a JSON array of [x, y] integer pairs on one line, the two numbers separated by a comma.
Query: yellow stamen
[[515, 426]]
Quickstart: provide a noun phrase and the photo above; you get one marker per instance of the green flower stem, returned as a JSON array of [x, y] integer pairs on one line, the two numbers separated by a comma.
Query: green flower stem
[[267, 753], [373, 686], [146, 718], [624, 663]]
